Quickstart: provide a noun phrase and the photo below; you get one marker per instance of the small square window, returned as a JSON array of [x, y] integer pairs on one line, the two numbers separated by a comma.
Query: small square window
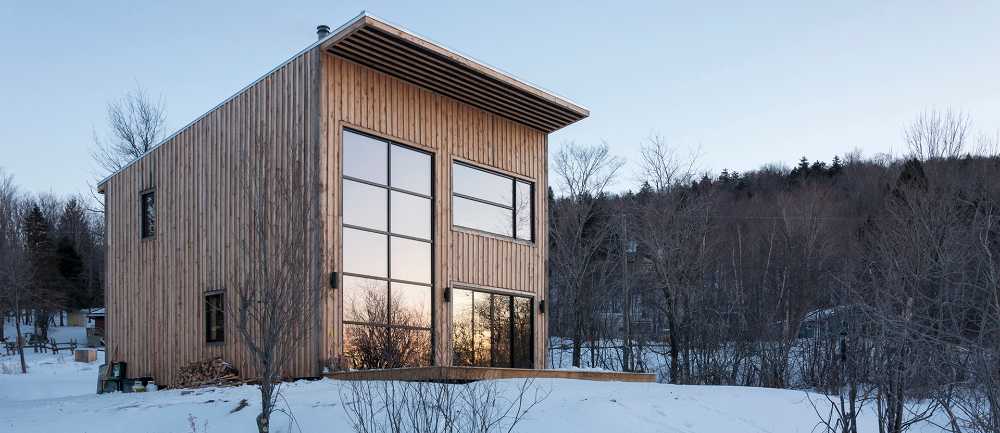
[[215, 318], [148, 209]]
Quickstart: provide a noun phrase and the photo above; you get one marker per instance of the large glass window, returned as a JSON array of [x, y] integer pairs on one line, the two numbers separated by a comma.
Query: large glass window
[[388, 248], [491, 202], [491, 330]]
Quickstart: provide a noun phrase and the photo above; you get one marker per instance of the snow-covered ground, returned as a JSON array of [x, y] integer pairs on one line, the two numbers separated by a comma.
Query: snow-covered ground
[[49, 375], [62, 334], [58, 395]]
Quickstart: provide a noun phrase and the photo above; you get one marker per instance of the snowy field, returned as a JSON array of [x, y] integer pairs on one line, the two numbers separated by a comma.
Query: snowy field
[[58, 396], [62, 334]]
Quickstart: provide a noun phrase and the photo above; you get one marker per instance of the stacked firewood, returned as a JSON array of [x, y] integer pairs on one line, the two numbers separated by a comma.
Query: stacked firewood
[[210, 372]]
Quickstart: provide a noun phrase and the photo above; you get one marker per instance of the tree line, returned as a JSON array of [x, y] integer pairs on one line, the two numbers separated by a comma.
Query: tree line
[[51, 260], [875, 280], [51, 256]]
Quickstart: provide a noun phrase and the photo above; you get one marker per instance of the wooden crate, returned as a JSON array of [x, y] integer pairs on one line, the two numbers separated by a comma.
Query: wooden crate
[[85, 355]]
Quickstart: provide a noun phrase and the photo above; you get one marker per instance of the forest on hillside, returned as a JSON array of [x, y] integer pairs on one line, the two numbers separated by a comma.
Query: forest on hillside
[[874, 279]]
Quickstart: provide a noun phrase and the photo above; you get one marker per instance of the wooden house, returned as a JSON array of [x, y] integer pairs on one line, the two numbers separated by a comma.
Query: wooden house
[[427, 174]]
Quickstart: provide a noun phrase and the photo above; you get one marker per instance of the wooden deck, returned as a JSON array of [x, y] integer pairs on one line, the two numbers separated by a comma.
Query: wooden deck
[[472, 374]]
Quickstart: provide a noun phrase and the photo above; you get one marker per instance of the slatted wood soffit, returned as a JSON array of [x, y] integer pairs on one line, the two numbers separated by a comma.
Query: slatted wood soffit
[[376, 44]]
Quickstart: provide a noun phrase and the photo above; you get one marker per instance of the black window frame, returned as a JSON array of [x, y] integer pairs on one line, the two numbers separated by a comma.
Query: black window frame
[[511, 207], [389, 234], [147, 230], [219, 314]]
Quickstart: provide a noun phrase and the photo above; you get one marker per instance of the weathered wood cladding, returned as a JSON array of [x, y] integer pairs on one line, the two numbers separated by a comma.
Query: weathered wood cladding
[[155, 288], [363, 98]]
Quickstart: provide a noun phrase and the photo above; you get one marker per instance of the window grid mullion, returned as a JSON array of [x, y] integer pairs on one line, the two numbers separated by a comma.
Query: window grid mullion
[[390, 188], [388, 239], [388, 280], [380, 232], [510, 337], [480, 200], [513, 209]]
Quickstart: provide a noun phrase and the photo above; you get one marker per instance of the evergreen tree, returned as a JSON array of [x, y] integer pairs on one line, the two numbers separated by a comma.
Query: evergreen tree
[[645, 191], [818, 168], [43, 288], [83, 235], [801, 170], [70, 265], [912, 176], [836, 166]]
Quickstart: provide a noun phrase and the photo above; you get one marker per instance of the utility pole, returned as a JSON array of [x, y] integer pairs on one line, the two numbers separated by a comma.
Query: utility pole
[[627, 249]]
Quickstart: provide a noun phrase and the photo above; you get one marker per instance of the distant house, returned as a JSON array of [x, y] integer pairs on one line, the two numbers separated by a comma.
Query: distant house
[[837, 322], [429, 170], [77, 317], [95, 327]]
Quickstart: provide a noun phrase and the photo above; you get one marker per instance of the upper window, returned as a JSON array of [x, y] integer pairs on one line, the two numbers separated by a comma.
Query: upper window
[[148, 208], [491, 202]]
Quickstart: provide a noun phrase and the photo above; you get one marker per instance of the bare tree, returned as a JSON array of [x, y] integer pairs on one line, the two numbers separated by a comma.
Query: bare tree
[[988, 145], [435, 407], [664, 166], [671, 232], [583, 171], [578, 237], [136, 124], [274, 294], [936, 134], [14, 269]]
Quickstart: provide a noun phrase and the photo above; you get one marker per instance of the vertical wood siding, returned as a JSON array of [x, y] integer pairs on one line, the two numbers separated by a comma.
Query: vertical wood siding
[[155, 288], [363, 98]]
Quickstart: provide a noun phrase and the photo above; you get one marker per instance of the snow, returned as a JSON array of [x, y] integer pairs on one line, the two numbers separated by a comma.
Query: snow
[[62, 334], [49, 375], [65, 334], [58, 396]]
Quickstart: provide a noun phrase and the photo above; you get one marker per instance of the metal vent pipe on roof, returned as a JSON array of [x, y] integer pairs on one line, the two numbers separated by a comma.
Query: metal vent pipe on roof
[[322, 31]]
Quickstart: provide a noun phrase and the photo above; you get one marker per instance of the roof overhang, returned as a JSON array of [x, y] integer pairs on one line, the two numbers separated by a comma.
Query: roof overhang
[[382, 46]]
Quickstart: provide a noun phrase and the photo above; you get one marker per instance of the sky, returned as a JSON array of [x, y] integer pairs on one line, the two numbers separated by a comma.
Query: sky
[[745, 83]]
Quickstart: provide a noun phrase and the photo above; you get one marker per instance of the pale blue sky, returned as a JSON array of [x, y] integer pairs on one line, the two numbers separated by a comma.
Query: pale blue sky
[[748, 82]]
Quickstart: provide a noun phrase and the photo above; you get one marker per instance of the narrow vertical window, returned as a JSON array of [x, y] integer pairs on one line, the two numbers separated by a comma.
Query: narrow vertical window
[[523, 211], [215, 319], [148, 209]]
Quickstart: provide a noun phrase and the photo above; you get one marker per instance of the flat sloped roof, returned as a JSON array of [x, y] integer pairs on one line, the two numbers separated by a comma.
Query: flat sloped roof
[[377, 44], [372, 41]]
